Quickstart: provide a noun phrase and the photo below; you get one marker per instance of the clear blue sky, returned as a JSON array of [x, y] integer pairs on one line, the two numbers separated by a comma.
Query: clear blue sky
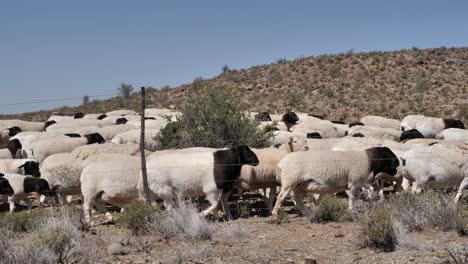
[[62, 49]]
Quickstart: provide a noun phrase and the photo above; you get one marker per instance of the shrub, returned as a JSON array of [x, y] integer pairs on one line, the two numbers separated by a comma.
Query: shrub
[[183, 221], [213, 117], [16, 222], [281, 217], [378, 229], [329, 208], [125, 90], [430, 209], [461, 222], [136, 216], [236, 231]]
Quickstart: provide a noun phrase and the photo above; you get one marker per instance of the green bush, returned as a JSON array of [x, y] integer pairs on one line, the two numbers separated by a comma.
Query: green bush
[[461, 222], [329, 208], [213, 117], [136, 217], [378, 229], [16, 222]]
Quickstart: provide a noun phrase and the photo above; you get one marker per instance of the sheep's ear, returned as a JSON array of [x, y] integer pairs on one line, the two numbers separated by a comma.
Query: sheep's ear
[[22, 166]]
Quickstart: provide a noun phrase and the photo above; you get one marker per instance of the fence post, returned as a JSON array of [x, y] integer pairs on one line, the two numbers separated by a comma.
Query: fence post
[[144, 173]]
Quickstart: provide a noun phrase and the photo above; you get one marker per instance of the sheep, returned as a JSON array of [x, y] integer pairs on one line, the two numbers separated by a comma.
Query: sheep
[[69, 127], [60, 119], [183, 150], [63, 170], [325, 129], [194, 174], [282, 137], [94, 116], [121, 112], [109, 132], [315, 144], [436, 166], [428, 141], [379, 121], [115, 182], [133, 136], [20, 166], [22, 187], [429, 126], [27, 139], [453, 134], [376, 132], [10, 149], [44, 148], [23, 125], [265, 175], [83, 152], [149, 124], [5, 187], [332, 171]]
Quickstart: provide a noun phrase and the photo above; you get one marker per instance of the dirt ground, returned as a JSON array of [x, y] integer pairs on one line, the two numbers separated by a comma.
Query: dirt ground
[[261, 241]]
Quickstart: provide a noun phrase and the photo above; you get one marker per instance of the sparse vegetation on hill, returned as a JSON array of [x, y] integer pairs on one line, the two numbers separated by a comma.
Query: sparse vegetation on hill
[[342, 86]]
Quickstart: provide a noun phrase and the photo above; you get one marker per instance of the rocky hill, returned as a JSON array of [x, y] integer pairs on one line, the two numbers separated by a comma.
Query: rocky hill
[[342, 86]]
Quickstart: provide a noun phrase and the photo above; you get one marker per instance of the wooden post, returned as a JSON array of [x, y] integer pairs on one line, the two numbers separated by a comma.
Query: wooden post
[[144, 173]]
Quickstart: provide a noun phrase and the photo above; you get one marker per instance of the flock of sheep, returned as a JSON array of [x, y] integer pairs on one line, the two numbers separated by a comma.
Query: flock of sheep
[[98, 156]]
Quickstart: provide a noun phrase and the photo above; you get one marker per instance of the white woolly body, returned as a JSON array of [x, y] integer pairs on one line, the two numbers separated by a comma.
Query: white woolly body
[[324, 128], [453, 134], [109, 132], [62, 172], [83, 152], [436, 166], [187, 173], [325, 171], [121, 112], [410, 121], [44, 148], [149, 124], [133, 136], [376, 132], [381, 122], [316, 144]]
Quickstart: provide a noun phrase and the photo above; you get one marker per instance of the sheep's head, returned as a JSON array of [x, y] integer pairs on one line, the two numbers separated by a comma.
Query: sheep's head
[[290, 118], [5, 187], [246, 155], [12, 131], [95, 138], [49, 123], [31, 168], [410, 134], [78, 115], [454, 123], [297, 143], [382, 160]]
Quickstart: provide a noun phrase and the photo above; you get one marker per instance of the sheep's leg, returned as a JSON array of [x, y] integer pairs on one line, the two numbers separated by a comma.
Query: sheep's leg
[[398, 187], [406, 184], [280, 199], [42, 200], [271, 198], [29, 202], [299, 199], [11, 202], [419, 185], [213, 198], [99, 204], [87, 205], [351, 192], [463, 185], [225, 204]]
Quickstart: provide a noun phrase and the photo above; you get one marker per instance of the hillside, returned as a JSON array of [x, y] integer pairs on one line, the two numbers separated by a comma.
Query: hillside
[[342, 86]]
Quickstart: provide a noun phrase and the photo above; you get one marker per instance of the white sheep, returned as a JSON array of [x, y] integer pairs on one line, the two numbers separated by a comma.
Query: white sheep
[[22, 187], [44, 148], [94, 116], [189, 174], [436, 166], [380, 121], [316, 144], [121, 112], [109, 132], [430, 126], [332, 171], [326, 129], [266, 173], [133, 136], [115, 182], [23, 125], [453, 134], [83, 152], [20, 166], [149, 124], [375, 132]]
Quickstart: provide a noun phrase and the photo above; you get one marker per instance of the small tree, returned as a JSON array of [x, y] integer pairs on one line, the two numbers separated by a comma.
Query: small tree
[[213, 117], [125, 90], [85, 100], [226, 68]]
